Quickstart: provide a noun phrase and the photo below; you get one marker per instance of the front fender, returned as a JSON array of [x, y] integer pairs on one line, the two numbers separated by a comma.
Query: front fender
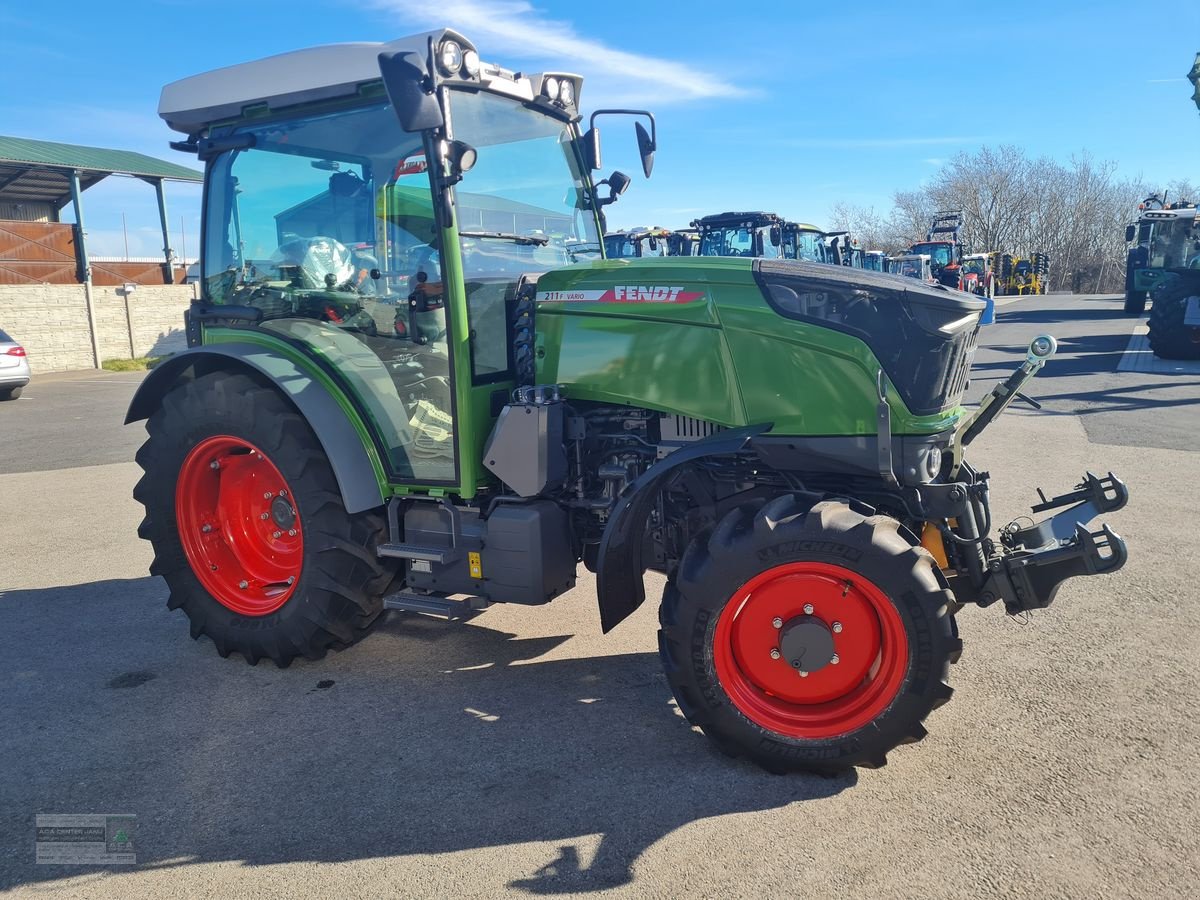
[[354, 461], [619, 567]]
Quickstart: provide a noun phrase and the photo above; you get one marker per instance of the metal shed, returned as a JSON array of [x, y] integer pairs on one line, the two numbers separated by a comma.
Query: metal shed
[[37, 181]]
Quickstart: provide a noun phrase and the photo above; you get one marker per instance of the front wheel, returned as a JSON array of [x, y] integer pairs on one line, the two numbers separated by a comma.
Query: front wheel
[[812, 639], [1169, 336], [248, 526]]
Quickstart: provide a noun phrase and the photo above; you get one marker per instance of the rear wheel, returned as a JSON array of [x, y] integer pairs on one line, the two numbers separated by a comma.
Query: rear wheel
[[1135, 302], [810, 639], [10, 393], [248, 526], [1169, 337]]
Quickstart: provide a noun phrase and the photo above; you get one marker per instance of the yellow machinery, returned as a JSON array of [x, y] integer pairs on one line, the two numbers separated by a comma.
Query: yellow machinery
[[1018, 275]]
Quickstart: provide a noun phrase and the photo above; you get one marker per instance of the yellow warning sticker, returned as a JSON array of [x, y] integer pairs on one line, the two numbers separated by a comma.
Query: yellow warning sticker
[[476, 565]]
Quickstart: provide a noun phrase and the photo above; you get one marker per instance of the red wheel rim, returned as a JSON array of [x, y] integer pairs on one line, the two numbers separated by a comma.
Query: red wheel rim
[[867, 636], [238, 525]]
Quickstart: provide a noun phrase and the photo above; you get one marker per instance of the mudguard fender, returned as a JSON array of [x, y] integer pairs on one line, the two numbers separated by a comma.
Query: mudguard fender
[[619, 566], [349, 458]]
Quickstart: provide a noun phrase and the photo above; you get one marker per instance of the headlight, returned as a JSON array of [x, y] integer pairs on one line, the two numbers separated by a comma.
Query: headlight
[[471, 63], [450, 57], [551, 87], [566, 94], [933, 462]]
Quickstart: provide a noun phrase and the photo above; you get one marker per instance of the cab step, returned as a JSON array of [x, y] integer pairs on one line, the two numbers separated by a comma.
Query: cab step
[[439, 555], [440, 605]]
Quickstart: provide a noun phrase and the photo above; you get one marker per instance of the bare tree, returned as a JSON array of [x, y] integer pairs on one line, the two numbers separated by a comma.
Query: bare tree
[[1073, 212]]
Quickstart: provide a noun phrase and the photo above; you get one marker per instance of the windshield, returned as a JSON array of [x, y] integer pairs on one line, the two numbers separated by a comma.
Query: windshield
[[939, 253], [975, 266], [810, 245], [522, 209], [1175, 244], [527, 180]]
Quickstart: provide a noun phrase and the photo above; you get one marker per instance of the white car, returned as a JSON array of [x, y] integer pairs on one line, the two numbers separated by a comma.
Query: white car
[[14, 367]]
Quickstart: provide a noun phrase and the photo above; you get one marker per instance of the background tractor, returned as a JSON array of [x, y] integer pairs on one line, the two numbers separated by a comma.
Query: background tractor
[[783, 441], [744, 234], [977, 275], [636, 243], [944, 249], [1173, 252]]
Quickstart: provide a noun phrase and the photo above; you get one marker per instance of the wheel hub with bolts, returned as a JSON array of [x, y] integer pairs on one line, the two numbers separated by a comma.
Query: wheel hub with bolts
[[238, 527], [806, 643], [810, 650]]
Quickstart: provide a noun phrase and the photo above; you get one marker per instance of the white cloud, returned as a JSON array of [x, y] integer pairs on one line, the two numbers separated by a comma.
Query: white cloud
[[506, 29]]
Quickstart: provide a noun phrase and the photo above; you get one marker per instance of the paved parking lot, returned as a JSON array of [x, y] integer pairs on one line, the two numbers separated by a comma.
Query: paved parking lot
[[525, 753]]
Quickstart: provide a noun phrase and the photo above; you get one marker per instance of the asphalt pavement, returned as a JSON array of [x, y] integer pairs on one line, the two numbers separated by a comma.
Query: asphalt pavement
[[525, 753]]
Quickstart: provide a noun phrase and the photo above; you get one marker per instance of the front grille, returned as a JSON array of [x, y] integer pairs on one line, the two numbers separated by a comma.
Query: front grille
[[922, 335]]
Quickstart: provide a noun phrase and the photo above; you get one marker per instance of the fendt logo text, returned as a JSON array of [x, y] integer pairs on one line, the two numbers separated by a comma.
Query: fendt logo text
[[625, 293]]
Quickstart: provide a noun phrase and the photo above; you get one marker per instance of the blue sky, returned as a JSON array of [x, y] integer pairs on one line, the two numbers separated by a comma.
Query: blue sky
[[790, 107]]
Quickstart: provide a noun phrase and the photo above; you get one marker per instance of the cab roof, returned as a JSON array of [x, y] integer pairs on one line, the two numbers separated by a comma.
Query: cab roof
[[287, 79]]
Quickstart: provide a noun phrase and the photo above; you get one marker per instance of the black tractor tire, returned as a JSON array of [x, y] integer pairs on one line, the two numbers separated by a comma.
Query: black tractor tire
[[1169, 337], [1135, 302], [11, 393], [786, 534], [337, 596]]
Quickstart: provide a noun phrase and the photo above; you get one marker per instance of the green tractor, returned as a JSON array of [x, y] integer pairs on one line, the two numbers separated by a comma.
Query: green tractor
[[1163, 263], [783, 441]]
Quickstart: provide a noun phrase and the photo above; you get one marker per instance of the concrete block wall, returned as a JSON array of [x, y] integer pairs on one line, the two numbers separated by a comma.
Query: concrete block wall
[[50, 321]]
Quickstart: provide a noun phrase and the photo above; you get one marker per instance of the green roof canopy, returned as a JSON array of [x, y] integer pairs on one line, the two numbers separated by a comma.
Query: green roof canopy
[[39, 171]]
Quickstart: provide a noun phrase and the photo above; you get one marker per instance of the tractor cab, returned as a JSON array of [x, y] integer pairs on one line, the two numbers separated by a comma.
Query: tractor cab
[[912, 265], [977, 275], [806, 242], [1165, 239], [343, 224], [843, 250], [684, 242], [748, 234], [875, 260], [636, 243]]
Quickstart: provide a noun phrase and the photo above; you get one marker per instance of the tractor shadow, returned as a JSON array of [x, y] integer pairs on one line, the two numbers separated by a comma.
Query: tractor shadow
[[426, 738]]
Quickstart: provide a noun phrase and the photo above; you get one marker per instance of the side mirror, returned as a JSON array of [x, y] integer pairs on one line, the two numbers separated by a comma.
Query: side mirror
[[1130, 233], [404, 79], [646, 147], [653, 243], [591, 148], [776, 236]]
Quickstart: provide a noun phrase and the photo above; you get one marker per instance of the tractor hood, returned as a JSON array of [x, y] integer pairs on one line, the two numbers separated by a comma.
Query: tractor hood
[[744, 341], [922, 334]]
